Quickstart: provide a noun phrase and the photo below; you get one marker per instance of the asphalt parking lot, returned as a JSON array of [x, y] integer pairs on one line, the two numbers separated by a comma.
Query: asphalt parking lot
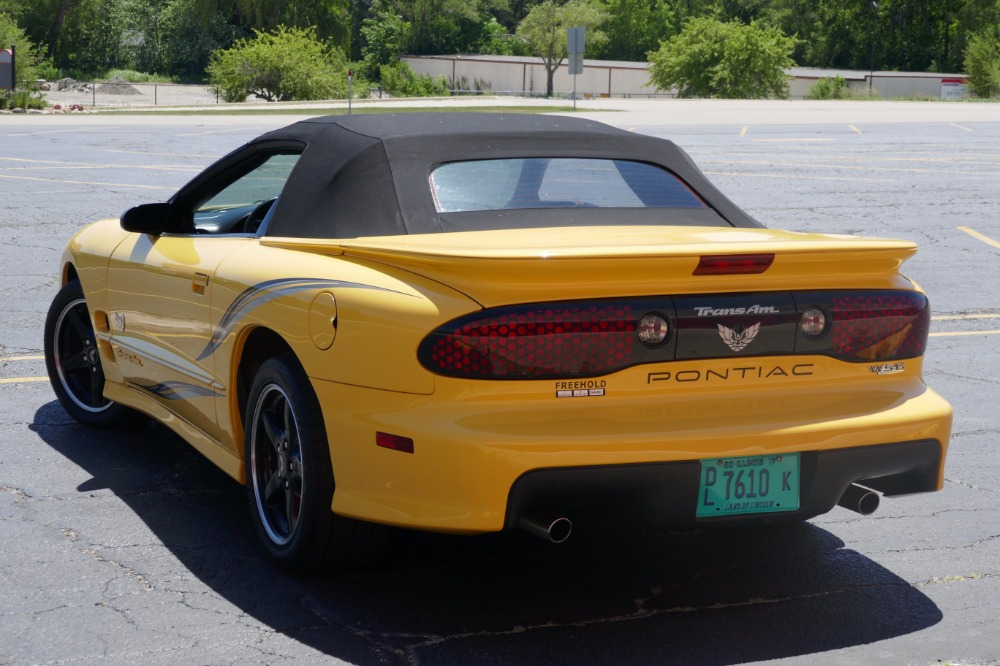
[[128, 547]]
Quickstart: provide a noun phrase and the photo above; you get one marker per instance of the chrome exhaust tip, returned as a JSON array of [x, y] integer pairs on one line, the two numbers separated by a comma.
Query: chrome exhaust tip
[[860, 500], [547, 525]]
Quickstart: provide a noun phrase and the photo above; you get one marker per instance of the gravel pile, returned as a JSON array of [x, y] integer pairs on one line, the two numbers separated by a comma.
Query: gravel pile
[[117, 86]]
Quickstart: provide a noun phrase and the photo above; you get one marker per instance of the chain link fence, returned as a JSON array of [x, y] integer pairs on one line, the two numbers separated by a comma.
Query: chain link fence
[[118, 93]]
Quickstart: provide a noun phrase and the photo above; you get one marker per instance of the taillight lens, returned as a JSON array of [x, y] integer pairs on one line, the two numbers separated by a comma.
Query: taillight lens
[[879, 325], [534, 342], [590, 338]]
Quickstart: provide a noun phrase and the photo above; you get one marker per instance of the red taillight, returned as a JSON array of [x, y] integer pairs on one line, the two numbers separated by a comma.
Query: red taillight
[[535, 342], [734, 264], [879, 326]]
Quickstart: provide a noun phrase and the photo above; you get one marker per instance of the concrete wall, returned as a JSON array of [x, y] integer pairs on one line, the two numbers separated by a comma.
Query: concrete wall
[[600, 78]]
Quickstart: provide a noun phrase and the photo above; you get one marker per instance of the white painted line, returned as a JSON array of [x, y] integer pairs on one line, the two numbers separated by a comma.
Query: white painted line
[[978, 236], [855, 129], [11, 359], [964, 317], [964, 333], [960, 127]]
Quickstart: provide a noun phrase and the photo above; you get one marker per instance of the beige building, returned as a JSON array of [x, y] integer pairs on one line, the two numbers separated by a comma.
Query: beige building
[[517, 75]]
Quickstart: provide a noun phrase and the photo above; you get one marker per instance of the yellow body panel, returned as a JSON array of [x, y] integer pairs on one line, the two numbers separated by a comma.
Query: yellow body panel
[[174, 316], [472, 442]]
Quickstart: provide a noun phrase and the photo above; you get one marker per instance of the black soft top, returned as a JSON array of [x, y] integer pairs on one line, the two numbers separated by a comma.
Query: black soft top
[[368, 175]]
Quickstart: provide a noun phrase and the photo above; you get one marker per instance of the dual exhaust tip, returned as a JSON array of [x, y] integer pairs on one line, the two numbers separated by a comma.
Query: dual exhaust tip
[[556, 529]]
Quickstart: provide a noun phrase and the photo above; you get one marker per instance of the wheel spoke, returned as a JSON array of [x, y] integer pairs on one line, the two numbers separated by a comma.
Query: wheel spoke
[[74, 361], [274, 429], [291, 512], [80, 324], [272, 489]]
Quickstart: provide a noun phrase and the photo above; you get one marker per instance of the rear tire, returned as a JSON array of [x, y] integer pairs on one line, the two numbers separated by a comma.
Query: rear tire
[[290, 477], [74, 366]]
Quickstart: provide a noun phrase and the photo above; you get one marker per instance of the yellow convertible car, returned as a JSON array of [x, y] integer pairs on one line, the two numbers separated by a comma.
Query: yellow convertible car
[[469, 323]]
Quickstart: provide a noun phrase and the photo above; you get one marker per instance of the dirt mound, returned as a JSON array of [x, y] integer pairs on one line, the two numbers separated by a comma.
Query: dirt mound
[[117, 86]]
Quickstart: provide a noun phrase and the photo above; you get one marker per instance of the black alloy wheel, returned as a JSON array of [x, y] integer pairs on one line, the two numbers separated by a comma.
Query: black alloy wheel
[[290, 477], [73, 361]]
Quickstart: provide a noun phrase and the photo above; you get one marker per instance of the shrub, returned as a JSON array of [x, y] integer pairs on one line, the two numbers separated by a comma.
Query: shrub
[[827, 88], [399, 80], [982, 63], [21, 99], [287, 64], [711, 58]]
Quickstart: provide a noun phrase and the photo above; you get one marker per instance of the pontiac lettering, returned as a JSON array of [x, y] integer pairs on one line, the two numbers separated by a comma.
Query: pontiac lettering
[[732, 374]]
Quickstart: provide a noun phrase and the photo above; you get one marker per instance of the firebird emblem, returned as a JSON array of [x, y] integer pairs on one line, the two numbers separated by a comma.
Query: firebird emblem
[[738, 341]]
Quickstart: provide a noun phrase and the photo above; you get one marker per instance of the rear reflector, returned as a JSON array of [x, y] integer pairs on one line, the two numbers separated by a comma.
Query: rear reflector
[[394, 442], [734, 264]]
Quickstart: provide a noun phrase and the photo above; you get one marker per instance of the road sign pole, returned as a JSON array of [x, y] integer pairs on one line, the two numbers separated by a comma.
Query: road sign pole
[[575, 42]]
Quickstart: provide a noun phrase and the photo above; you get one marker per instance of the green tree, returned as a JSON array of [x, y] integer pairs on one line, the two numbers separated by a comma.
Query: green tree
[[497, 40], [384, 39], [544, 29], [287, 64], [731, 60], [635, 27], [28, 55], [982, 62], [436, 26]]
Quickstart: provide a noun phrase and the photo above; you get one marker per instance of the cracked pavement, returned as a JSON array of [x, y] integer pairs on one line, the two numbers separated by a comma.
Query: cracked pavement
[[127, 547]]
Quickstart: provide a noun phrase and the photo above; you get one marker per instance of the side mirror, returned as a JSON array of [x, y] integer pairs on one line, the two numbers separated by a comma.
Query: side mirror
[[151, 218]]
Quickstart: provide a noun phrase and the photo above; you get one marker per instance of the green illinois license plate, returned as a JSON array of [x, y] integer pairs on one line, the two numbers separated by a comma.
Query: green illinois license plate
[[754, 484]]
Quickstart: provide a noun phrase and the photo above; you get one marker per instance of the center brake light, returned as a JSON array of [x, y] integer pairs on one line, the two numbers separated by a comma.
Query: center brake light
[[734, 264], [592, 338]]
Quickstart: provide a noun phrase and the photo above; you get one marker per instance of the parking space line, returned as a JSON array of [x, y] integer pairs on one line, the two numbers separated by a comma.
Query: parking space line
[[978, 236], [797, 177], [87, 182], [964, 317], [743, 132], [23, 380], [855, 129], [11, 359], [842, 167], [960, 127], [799, 140], [62, 131], [955, 334], [62, 164]]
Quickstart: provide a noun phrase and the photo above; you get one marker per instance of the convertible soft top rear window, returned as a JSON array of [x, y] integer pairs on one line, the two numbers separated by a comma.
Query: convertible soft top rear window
[[505, 184]]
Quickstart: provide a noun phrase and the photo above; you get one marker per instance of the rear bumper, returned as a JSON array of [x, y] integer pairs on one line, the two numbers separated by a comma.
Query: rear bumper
[[479, 461], [665, 494]]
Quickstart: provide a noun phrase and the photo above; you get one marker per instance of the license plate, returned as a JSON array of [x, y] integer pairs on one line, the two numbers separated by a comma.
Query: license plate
[[753, 484]]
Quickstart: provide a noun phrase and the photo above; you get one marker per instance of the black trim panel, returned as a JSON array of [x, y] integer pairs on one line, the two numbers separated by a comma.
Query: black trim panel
[[665, 494]]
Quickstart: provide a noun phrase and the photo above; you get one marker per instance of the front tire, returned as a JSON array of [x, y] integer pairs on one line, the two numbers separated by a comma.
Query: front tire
[[74, 365], [290, 477]]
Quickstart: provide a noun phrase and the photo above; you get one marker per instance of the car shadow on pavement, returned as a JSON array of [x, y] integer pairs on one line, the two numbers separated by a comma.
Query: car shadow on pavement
[[627, 596]]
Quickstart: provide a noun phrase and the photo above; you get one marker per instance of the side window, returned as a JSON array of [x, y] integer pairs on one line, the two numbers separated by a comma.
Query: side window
[[242, 204]]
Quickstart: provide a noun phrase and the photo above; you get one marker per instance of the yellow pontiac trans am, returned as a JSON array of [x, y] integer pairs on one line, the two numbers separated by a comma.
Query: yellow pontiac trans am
[[470, 323]]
